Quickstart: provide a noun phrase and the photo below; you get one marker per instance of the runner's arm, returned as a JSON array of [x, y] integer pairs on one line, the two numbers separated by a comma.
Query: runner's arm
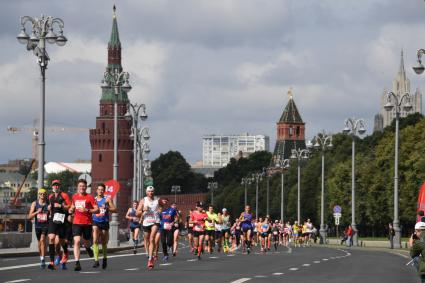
[[32, 212], [139, 211], [112, 207]]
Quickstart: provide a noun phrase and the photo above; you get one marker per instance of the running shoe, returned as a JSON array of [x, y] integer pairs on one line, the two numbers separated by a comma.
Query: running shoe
[[104, 263], [90, 252], [155, 258], [51, 266], [135, 251], [77, 266], [174, 254], [150, 264], [248, 250], [57, 260], [165, 259], [65, 256], [64, 266], [96, 264], [42, 264]]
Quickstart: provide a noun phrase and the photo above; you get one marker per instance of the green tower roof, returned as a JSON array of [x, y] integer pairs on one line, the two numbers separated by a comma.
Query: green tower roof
[[291, 114], [115, 38]]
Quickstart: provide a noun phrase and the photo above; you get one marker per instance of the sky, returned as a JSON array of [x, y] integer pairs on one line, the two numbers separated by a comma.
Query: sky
[[207, 67]]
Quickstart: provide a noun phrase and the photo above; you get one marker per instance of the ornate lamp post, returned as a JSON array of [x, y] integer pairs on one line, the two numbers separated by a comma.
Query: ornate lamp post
[[246, 181], [399, 103], [42, 31], [211, 187], [299, 155], [322, 142], [119, 81], [257, 177], [282, 164], [354, 127], [142, 159], [133, 114], [175, 189]]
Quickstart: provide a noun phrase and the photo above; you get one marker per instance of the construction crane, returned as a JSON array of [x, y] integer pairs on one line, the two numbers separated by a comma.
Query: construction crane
[[15, 201], [34, 131]]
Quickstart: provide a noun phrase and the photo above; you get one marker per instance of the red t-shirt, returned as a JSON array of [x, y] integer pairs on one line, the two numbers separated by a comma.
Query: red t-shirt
[[83, 201], [198, 219]]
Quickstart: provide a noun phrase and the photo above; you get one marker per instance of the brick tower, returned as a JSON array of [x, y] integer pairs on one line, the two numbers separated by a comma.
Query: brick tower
[[102, 137], [290, 130]]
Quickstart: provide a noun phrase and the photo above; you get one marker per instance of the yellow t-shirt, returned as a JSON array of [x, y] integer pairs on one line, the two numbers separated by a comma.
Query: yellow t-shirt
[[210, 222]]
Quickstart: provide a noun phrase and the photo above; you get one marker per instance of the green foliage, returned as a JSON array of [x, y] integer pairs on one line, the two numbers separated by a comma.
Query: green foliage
[[67, 178], [374, 177], [172, 169]]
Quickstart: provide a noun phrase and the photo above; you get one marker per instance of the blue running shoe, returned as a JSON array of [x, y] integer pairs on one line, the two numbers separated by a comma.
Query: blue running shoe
[[165, 259], [57, 260], [43, 264], [64, 266]]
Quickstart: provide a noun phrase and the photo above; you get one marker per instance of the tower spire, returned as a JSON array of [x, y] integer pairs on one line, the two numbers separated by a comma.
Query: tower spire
[[401, 70], [114, 41]]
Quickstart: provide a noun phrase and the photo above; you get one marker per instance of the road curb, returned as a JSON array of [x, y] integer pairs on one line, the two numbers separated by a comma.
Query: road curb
[[401, 252]]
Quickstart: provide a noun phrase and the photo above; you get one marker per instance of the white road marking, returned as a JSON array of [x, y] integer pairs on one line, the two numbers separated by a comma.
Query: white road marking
[[214, 257], [325, 259], [293, 269], [241, 280], [231, 255], [260, 276], [306, 264], [18, 280], [289, 250], [132, 269], [316, 261], [278, 273], [89, 272], [192, 259], [165, 264], [9, 259]]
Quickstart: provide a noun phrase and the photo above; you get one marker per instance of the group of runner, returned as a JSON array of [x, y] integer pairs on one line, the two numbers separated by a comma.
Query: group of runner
[[84, 219]]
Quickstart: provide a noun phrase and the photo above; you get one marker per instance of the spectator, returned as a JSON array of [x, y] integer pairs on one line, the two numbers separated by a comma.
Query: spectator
[[21, 228], [417, 249], [391, 234], [349, 236], [344, 236]]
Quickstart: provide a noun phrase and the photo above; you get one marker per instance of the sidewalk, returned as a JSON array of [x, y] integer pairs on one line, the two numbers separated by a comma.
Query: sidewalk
[[20, 252]]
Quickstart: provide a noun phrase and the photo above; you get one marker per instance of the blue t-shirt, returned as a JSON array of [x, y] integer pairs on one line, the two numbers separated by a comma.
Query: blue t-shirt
[[167, 218]]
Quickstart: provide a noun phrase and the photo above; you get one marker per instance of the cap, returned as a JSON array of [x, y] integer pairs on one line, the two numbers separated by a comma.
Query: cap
[[420, 226], [199, 204], [41, 190], [224, 210], [56, 182], [150, 189]]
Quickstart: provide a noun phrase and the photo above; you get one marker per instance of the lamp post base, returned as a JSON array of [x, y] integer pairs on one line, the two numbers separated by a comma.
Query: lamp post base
[[355, 235], [34, 241], [397, 237], [323, 235], [113, 232]]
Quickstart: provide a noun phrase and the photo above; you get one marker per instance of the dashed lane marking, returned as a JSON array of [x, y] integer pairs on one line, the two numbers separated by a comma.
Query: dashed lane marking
[[293, 269], [260, 276], [278, 273], [18, 280], [132, 269], [10, 259], [316, 261], [166, 264], [214, 257], [192, 259], [241, 280], [89, 272], [306, 264], [325, 259]]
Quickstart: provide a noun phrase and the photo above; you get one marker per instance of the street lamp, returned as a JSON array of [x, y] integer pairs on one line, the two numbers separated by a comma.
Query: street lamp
[[42, 31], [400, 103], [322, 142], [245, 182], [299, 155], [211, 187], [118, 81], [354, 127], [143, 164], [419, 68], [282, 164], [175, 189], [257, 177], [133, 114]]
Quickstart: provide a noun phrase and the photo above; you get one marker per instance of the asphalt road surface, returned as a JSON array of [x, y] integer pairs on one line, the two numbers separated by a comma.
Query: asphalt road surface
[[312, 264]]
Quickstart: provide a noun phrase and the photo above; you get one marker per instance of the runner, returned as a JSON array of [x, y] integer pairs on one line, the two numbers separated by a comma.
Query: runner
[[178, 226], [225, 230], [83, 206], [217, 233], [39, 211], [59, 203], [264, 229], [309, 232], [101, 225], [168, 219], [198, 218], [237, 231], [287, 231], [296, 232], [210, 228], [246, 225], [189, 227], [275, 234], [134, 226], [149, 210]]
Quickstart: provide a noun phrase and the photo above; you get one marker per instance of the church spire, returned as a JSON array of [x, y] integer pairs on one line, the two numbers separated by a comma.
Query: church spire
[[401, 70], [114, 45]]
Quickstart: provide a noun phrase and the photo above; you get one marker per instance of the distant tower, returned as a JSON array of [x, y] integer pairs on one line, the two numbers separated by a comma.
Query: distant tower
[[290, 130], [102, 138], [401, 85]]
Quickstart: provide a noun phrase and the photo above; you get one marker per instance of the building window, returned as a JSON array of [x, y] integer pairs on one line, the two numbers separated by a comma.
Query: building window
[[103, 126], [298, 131], [291, 131], [100, 157]]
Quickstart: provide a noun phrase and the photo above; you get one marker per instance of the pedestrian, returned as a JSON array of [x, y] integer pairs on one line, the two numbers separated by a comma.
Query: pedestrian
[[391, 234], [350, 233], [417, 249]]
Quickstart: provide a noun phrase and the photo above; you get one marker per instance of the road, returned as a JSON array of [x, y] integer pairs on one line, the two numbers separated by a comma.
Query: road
[[313, 264]]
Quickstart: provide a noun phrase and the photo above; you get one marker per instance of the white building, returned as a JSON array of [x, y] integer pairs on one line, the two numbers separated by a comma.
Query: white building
[[217, 150], [401, 85]]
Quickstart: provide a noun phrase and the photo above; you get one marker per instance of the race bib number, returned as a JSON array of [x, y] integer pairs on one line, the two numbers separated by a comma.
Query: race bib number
[[101, 213], [58, 217], [136, 219], [167, 226], [80, 204], [190, 225], [210, 224], [198, 228], [42, 217], [274, 232]]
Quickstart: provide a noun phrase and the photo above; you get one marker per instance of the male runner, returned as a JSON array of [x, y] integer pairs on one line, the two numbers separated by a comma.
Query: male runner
[[178, 226], [225, 229], [83, 206], [40, 212], [210, 228], [131, 216], [168, 219], [59, 203], [101, 225], [189, 227], [246, 225]]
